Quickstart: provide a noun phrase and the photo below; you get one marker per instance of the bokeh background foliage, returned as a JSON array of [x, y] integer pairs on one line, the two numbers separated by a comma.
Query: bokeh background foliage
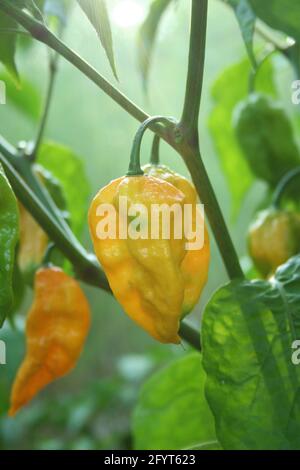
[[88, 144]]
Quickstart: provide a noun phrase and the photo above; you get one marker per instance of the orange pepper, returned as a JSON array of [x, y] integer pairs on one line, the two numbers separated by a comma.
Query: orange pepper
[[56, 329]]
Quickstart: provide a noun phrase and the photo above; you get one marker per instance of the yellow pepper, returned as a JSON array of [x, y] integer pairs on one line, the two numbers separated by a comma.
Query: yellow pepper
[[33, 240], [273, 238], [157, 281], [196, 262], [33, 243]]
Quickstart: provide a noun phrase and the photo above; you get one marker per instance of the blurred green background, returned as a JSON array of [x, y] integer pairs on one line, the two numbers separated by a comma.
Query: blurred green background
[[91, 407]]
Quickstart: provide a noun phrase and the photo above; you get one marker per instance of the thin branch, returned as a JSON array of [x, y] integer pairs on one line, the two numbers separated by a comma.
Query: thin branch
[[39, 31], [213, 211], [49, 94], [193, 90], [14, 31], [52, 73], [254, 73], [190, 150], [190, 335]]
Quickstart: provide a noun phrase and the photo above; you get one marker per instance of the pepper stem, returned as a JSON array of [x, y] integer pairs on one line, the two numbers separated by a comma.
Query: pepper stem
[[46, 262], [154, 159], [283, 184], [135, 160]]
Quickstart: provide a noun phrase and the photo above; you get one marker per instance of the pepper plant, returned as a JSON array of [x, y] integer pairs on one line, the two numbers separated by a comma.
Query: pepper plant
[[239, 390]]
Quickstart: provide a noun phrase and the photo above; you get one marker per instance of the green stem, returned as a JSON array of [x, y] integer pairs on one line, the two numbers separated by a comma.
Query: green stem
[[154, 159], [135, 160], [253, 75], [49, 94], [292, 53], [190, 335], [213, 211], [40, 32], [190, 115], [46, 261], [13, 31], [190, 150], [282, 186]]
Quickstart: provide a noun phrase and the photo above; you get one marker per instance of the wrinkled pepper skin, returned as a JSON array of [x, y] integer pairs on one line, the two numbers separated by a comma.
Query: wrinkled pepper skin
[[9, 235], [56, 329], [195, 264], [153, 279], [273, 238]]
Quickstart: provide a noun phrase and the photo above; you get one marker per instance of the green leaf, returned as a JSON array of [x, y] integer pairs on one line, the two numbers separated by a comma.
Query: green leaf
[[293, 55], [147, 35], [97, 13], [266, 137], [172, 412], [279, 14], [26, 97], [8, 46], [226, 96], [9, 234], [55, 190], [252, 384], [19, 289], [34, 6], [68, 169], [14, 340], [246, 19]]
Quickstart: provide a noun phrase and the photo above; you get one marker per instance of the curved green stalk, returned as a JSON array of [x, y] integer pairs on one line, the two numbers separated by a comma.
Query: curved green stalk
[[283, 185], [135, 160], [154, 159]]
